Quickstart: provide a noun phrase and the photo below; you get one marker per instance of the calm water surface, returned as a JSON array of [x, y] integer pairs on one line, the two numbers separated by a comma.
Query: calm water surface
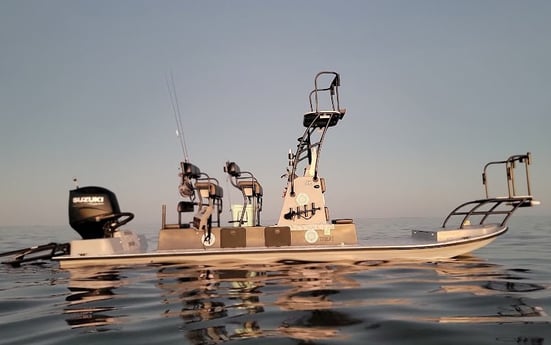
[[498, 295]]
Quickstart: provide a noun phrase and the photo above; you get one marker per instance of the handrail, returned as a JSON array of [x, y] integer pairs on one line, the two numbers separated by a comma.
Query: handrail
[[494, 203], [333, 89], [510, 165], [513, 200], [306, 148]]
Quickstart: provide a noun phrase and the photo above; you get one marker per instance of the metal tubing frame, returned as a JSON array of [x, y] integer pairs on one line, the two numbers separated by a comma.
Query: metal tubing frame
[[514, 203], [513, 200], [305, 145], [255, 198]]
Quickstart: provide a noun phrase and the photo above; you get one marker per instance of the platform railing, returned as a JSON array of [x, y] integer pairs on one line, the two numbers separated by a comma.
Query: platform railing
[[500, 207], [471, 209], [309, 146]]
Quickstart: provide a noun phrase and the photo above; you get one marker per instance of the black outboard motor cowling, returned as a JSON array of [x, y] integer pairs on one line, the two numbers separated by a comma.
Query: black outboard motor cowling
[[94, 212]]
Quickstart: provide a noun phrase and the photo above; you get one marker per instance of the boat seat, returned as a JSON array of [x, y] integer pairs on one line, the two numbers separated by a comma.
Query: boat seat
[[210, 190], [213, 190], [184, 206], [198, 184], [250, 188], [248, 185], [326, 118], [190, 170]]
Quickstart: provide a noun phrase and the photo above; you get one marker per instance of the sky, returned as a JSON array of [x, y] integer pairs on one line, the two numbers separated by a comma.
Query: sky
[[433, 91]]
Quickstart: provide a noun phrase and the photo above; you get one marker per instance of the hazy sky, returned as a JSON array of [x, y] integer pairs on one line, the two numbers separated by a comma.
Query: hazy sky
[[433, 90]]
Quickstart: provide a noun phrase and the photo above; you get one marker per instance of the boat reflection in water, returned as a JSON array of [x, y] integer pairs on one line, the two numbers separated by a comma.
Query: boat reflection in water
[[235, 295], [200, 295], [302, 301], [88, 305], [472, 276]]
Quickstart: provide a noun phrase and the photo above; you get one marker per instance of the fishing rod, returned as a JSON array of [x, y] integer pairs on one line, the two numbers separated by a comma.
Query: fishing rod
[[171, 86], [188, 170], [186, 188]]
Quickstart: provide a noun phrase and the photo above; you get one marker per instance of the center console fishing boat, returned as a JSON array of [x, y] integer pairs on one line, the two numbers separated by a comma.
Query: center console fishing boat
[[304, 231]]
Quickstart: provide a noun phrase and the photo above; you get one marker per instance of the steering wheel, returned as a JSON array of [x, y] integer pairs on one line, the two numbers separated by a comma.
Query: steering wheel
[[114, 221]]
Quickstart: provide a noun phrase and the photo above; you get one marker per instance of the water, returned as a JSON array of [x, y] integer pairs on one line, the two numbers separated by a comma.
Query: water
[[498, 295]]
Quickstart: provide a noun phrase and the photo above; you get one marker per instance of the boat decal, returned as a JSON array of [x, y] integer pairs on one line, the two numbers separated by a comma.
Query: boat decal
[[311, 236]]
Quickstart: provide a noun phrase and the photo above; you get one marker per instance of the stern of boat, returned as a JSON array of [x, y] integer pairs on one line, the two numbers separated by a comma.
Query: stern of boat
[[122, 242]]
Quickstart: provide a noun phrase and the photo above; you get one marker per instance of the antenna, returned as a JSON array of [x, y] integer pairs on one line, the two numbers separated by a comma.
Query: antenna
[[171, 86]]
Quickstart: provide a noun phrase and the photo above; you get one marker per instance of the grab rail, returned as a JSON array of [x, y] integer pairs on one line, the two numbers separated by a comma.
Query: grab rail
[[309, 145], [510, 203], [493, 210], [510, 165]]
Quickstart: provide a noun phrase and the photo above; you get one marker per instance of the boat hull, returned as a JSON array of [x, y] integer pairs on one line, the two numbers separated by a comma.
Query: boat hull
[[414, 251]]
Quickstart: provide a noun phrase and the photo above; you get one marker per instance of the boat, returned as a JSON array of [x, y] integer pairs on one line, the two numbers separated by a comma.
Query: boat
[[304, 231]]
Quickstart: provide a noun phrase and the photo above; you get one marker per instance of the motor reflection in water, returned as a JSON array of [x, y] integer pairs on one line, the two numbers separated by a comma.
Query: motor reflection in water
[[88, 304]]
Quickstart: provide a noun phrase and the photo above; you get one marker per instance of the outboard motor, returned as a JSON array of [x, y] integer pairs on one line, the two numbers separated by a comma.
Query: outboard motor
[[94, 212]]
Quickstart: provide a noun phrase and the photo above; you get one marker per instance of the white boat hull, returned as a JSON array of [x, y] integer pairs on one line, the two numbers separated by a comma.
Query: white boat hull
[[415, 251]]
